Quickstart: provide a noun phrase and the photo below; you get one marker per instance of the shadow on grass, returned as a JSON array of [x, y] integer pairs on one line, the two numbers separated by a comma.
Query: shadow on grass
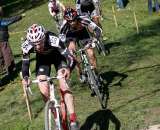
[[100, 121], [109, 45], [20, 6], [8, 78], [137, 98], [107, 81], [146, 31], [109, 77], [141, 68]]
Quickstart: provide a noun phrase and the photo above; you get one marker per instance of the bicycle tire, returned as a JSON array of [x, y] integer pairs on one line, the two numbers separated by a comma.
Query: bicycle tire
[[93, 82], [27, 100], [100, 47], [50, 123]]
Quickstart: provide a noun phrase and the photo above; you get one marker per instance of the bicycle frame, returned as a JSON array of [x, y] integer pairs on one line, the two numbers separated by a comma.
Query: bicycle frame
[[86, 63], [93, 80], [54, 107]]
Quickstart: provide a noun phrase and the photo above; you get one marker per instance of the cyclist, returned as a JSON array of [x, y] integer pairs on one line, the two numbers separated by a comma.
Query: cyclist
[[74, 29], [56, 9], [90, 8], [49, 50]]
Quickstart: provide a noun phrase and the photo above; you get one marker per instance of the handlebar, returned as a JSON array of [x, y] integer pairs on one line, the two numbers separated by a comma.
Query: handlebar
[[28, 89], [48, 79]]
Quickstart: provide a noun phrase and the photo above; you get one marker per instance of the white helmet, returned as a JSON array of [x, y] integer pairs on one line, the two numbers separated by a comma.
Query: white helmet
[[35, 33]]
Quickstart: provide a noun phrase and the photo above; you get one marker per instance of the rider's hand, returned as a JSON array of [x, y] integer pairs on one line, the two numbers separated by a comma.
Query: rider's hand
[[66, 73], [26, 81]]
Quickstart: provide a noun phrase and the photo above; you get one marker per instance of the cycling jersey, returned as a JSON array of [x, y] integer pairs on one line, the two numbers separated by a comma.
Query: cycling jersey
[[55, 8], [83, 22], [54, 53], [88, 7]]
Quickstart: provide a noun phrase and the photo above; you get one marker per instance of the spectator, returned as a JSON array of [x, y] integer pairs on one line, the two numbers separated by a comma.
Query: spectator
[[152, 8], [4, 44], [122, 3]]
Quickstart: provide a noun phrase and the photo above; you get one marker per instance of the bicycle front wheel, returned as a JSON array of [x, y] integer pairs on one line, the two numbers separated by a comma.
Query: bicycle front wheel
[[52, 117], [95, 85], [100, 47]]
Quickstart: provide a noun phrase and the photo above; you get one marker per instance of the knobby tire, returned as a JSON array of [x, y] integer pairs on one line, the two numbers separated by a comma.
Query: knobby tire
[[50, 123]]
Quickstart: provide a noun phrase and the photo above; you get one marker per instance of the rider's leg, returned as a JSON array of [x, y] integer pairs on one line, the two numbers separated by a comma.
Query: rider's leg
[[92, 57], [67, 96], [42, 71], [96, 20], [43, 86], [72, 49]]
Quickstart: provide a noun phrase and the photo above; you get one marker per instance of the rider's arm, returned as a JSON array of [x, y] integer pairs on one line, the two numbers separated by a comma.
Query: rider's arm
[[62, 6], [26, 49], [52, 13], [91, 25], [25, 65], [8, 21], [66, 53], [78, 7], [63, 31], [69, 57]]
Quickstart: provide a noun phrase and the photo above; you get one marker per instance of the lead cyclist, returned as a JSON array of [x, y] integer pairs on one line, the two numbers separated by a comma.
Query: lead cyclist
[[49, 50]]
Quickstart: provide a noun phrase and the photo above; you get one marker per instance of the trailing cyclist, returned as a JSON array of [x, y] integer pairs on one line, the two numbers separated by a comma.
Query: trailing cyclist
[[74, 29], [90, 8], [49, 50], [56, 9]]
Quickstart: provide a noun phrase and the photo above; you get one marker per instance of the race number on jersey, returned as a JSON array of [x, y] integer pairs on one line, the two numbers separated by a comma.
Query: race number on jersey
[[54, 41], [26, 47]]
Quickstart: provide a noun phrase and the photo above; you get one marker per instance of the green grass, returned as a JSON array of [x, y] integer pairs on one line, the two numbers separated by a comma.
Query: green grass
[[134, 104]]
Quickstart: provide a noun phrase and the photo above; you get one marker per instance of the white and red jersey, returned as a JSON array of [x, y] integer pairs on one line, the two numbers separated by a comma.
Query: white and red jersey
[[55, 7]]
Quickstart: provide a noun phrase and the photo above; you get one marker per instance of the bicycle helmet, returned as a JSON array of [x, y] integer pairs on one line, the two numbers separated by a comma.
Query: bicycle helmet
[[70, 14], [35, 33]]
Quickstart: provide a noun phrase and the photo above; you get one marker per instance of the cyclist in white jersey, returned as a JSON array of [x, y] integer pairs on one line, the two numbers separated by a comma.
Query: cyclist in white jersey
[[56, 9]]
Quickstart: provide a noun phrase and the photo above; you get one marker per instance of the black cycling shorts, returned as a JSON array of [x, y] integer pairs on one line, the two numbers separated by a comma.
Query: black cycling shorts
[[44, 62]]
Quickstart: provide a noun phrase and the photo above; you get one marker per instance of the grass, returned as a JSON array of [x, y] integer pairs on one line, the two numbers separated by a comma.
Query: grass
[[134, 101]]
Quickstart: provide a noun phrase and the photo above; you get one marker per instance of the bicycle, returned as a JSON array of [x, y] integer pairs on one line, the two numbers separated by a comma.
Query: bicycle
[[55, 113], [100, 46], [94, 81]]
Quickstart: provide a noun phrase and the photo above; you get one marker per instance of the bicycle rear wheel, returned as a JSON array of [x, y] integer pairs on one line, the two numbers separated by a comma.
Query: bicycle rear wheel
[[52, 117]]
